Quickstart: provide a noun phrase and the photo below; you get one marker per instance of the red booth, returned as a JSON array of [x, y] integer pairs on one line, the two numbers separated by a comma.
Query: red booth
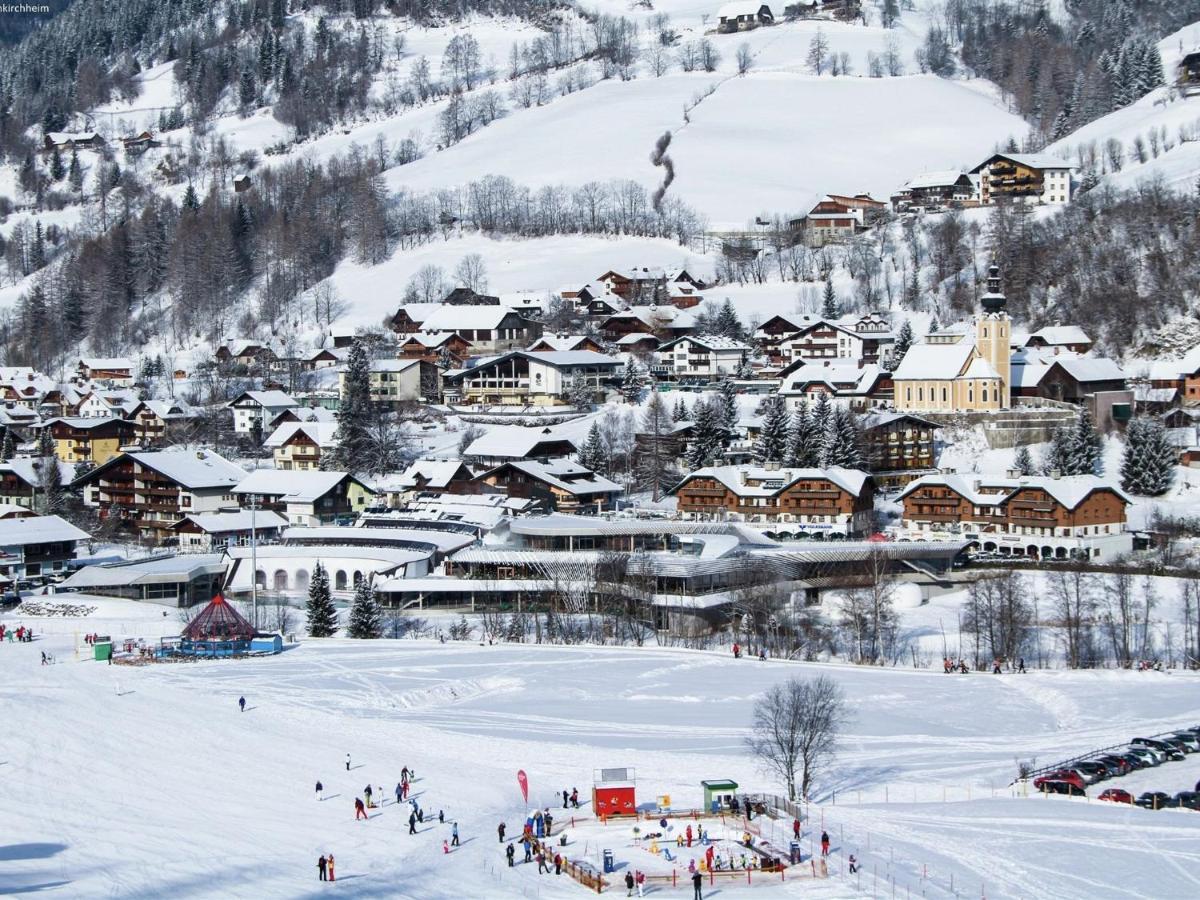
[[613, 792]]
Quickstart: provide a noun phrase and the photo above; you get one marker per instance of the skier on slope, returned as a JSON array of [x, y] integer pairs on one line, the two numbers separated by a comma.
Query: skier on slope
[[509, 853], [347, 762], [242, 703], [412, 823], [399, 792], [360, 811], [824, 843], [454, 834], [320, 791], [500, 830], [566, 798], [796, 829]]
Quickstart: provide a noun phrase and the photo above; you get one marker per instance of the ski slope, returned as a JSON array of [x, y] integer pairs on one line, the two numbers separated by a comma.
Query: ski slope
[[148, 782]]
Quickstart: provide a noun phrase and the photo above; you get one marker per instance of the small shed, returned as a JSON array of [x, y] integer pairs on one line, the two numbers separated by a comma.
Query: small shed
[[267, 643], [102, 649], [717, 793], [614, 792]]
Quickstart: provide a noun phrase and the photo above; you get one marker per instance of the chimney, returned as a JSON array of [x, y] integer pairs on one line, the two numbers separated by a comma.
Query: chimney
[[976, 485], [1013, 473], [199, 454], [742, 476], [1055, 473]]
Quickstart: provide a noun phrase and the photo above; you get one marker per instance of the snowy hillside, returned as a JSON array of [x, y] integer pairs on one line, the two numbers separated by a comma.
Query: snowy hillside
[[1157, 136]]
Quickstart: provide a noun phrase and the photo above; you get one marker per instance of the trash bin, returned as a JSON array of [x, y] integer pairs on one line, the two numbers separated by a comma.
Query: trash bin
[[794, 852], [610, 864]]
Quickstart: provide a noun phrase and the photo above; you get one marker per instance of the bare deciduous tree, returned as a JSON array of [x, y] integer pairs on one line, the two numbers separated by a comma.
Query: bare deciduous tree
[[796, 728]]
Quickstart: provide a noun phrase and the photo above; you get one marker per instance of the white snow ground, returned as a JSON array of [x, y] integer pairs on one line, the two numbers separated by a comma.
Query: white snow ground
[[149, 783]]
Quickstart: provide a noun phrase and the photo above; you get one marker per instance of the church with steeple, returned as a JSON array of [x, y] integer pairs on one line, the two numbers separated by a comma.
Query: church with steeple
[[961, 372]]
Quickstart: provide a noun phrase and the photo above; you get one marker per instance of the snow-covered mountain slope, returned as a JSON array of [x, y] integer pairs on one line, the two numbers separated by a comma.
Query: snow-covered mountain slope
[[1166, 122]]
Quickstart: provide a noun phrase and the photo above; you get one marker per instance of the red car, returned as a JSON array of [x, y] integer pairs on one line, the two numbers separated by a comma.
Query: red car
[[1116, 795], [1070, 776]]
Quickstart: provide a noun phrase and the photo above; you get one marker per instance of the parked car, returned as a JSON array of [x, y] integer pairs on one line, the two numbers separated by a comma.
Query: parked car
[[1135, 761], [1152, 743], [1062, 775], [1189, 741], [1116, 795], [1156, 800], [1061, 786], [1117, 765], [1177, 744], [1188, 800], [1148, 755], [1091, 771]]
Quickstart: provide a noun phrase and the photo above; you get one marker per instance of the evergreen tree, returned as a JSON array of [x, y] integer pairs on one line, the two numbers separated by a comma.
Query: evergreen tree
[[247, 89], [728, 405], [579, 393], [1057, 457], [38, 253], [591, 455], [633, 382], [322, 616], [8, 449], [1023, 461], [352, 441], [841, 445], [680, 412], [57, 170], [366, 621], [191, 202], [1148, 464], [830, 309], [821, 415], [728, 324], [708, 435], [772, 443], [804, 441], [75, 173], [904, 340], [1085, 451]]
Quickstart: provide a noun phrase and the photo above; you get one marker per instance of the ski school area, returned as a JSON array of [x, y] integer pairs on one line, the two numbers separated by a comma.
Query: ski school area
[[918, 793]]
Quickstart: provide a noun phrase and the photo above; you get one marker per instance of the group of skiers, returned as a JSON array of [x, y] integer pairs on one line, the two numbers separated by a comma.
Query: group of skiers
[[737, 652], [90, 639], [325, 868], [571, 799], [949, 665], [536, 850], [22, 633]]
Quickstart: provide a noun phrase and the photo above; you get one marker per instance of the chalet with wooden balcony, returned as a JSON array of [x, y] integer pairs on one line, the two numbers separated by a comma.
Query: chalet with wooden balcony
[[560, 484], [299, 445], [114, 371], [1031, 178], [525, 378], [305, 498], [933, 191], [899, 447], [150, 491], [34, 546], [95, 440], [155, 418], [822, 503], [1044, 517]]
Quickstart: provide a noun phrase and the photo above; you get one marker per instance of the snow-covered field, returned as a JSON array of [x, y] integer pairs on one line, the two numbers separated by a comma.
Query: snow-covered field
[[148, 782]]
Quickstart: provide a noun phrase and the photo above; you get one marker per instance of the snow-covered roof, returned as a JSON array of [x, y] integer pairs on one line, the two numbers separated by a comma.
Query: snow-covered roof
[[836, 375], [430, 339], [566, 475], [268, 399], [456, 318], [740, 8], [514, 441], [941, 178], [1031, 160], [560, 341], [320, 433], [291, 486], [1027, 375], [163, 570], [714, 342], [437, 473], [658, 315], [191, 469], [38, 530], [393, 365], [636, 337], [1061, 335], [240, 520], [1068, 490], [107, 363], [1091, 368], [981, 368], [934, 361], [758, 481], [443, 541], [28, 470]]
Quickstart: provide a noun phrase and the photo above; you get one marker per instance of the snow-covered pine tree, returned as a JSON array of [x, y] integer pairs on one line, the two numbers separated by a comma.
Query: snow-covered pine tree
[[1057, 456], [1023, 461], [841, 445], [75, 173], [729, 405], [772, 443], [1148, 464], [322, 616], [904, 340], [366, 621], [579, 393], [1085, 449], [8, 448], [680, 412], [351, 450], [728, 324], [708, 435], [633, 382], [804, 441], [829, 302], [655, 468], [592, 454], [822, 411]]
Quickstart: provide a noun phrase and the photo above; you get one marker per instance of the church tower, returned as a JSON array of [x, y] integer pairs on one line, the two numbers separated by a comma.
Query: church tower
[[993, 333]]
